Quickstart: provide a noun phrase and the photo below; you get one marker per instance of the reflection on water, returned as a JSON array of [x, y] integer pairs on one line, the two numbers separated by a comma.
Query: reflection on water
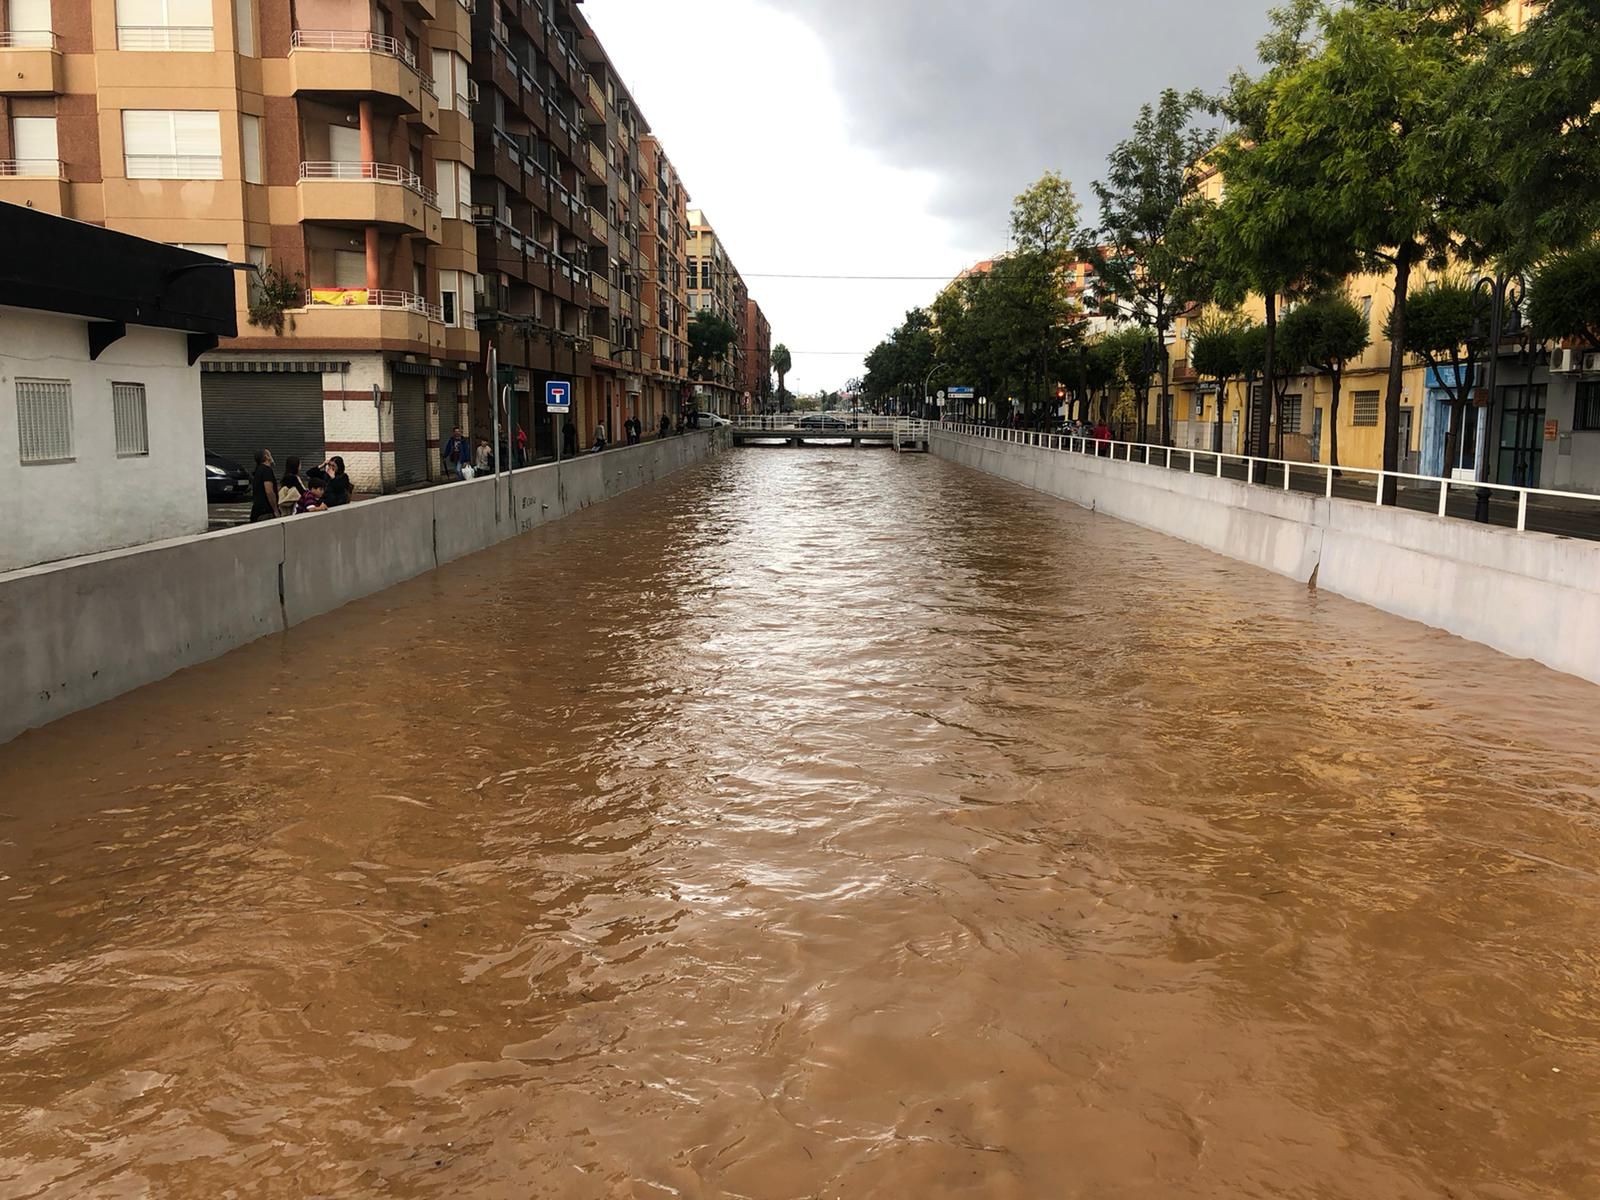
[[819, 823]]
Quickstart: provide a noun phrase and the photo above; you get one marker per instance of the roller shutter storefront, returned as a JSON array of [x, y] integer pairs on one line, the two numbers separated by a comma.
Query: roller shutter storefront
[[246, 411], [410, 430]]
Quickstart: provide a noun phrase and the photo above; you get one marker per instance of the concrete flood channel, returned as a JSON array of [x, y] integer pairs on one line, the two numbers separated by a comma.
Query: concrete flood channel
[[812, 824]]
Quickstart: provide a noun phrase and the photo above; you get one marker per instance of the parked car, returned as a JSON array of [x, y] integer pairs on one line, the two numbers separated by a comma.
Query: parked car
[[708, 420], [226, 480], [815, 421]]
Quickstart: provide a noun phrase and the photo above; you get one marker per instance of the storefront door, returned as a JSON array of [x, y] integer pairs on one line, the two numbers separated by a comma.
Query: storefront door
[[1521, 435]]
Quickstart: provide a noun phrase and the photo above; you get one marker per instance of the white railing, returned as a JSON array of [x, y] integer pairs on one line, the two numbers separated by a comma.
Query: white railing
[[469, 320], [28, 39], [1351, 483], [165, 37], [352, 40], [842, 424], [373, 298], [32, 168], [360, 172]]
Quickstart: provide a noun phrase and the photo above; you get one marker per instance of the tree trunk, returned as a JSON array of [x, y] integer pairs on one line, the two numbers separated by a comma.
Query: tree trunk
[[1163, 416], [1222, 406], [1397, 370], [1337, 374], [1452, 438], [1258, 444]]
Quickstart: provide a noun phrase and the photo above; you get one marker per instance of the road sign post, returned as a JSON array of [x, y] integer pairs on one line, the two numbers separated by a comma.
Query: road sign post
[[558, 402]]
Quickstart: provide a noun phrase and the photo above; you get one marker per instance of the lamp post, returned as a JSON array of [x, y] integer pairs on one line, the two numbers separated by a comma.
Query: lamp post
[[927, 383], [1494, 298]]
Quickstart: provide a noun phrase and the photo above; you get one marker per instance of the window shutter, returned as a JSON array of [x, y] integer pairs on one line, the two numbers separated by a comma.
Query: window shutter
[[141, 14], [33, 138], [28, 15], [464, 190], [441, 72], [349, 269], [197, 133], [146, 131], [250, 146]]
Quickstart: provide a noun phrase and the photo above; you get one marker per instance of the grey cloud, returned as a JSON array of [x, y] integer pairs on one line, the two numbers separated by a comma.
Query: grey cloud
[[990, 95]]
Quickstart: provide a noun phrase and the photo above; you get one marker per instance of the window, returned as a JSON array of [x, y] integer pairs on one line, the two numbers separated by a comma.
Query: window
[[164, 25], [1366, 309], [449, 295], [349, 269], [1586, 408], [128, 414], [244, 24], [256, 256], [33, 145], [453, 182], [29, 22], [1291, 414], [1366, 409], [214, 249], [168, 144], [44, 421], [250, 146]]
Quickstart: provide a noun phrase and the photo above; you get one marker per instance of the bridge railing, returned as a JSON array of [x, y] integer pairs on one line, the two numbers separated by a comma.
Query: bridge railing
[[842, 424], [1571, 514]]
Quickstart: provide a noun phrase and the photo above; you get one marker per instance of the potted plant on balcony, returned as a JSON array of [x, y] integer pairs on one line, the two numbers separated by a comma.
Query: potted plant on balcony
[[272, 292]]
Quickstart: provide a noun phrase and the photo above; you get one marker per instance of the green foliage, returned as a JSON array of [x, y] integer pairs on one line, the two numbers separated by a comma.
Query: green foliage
[[1324, 333], [1142, 259], [1439, 320], [782, 364], [1217, 346], [711, 336], [272, 291], [897, 366], [1564, 299], [1044, 219]]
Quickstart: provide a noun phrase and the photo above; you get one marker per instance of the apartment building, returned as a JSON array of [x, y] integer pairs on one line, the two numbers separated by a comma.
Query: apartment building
[[756, 366], [534, 171], [664, 247], [716, 286], [318, 144]]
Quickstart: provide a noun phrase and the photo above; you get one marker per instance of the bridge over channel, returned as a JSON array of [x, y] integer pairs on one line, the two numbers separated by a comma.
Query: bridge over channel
[[903, 434]]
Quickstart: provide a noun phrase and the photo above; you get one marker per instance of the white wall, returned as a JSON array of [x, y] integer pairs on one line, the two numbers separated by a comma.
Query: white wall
[[99, 501]]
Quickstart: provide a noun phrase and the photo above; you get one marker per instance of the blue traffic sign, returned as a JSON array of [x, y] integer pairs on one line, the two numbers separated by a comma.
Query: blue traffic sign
[[558, 396]]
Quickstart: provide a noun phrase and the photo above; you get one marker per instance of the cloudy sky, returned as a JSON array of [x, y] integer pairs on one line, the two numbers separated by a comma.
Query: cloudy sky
[[888, 137]]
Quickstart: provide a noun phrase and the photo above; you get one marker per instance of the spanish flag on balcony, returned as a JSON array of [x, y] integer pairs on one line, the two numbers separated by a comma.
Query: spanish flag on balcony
[[339, 296]]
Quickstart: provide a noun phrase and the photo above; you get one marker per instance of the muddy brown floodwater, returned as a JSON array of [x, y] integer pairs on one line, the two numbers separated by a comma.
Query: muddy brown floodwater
[[815, 824]]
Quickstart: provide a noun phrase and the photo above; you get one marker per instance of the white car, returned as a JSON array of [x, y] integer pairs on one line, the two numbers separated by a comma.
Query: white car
[[708, 420]]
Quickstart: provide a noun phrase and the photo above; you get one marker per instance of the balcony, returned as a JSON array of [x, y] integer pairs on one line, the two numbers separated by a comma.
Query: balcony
[[597, 225], [597, 98], [381, 194], [38, 183], [372, 315], [461, 339], [330, 62], [599, 288], [602, 348], [30, 64], [595, 160]]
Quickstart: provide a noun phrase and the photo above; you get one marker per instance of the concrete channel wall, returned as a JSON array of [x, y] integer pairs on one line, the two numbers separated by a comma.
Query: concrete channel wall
[[78, 632], [1529, 595]]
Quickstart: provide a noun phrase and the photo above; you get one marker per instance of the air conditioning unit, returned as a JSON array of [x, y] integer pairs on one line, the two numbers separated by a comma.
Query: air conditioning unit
[[1564, 362], [472, 91], [1591, 363]]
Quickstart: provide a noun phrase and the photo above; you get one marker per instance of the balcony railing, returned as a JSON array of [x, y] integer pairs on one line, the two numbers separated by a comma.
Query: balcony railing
[[28, 39], [359, 172], [165, 37], [32, 168], [354, 41], [373, 298], [468, 320]]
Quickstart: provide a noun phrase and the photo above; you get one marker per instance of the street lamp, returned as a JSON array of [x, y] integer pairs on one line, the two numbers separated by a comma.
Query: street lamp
[[1494, 298], [928, 382]]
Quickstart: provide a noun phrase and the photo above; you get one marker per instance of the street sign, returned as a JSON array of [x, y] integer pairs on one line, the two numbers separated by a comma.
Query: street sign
[[959, 393], [558, 396]]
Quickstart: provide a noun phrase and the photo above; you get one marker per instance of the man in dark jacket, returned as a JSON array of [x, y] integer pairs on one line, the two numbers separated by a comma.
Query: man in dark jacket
[[456, 454]]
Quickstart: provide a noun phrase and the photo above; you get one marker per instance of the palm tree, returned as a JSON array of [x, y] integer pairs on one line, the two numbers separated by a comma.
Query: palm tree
[[782, 363]]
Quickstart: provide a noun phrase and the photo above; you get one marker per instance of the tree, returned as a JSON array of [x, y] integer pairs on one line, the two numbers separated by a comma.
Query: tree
[[1439, 323], [1217, 351], [1261, 237], [1324, 334], [1564, 299], [902, 360], [1133, 357], [1044, 219], [1358, 143], [782, 363], [710, 338], [1143, 198]]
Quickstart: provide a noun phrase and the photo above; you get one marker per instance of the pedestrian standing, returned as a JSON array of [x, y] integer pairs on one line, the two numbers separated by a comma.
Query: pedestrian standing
[[666, 425], [600, 437], [263, 489], [522, 446], [569, 439], [480, 460], [457, 454], [339, 489]]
